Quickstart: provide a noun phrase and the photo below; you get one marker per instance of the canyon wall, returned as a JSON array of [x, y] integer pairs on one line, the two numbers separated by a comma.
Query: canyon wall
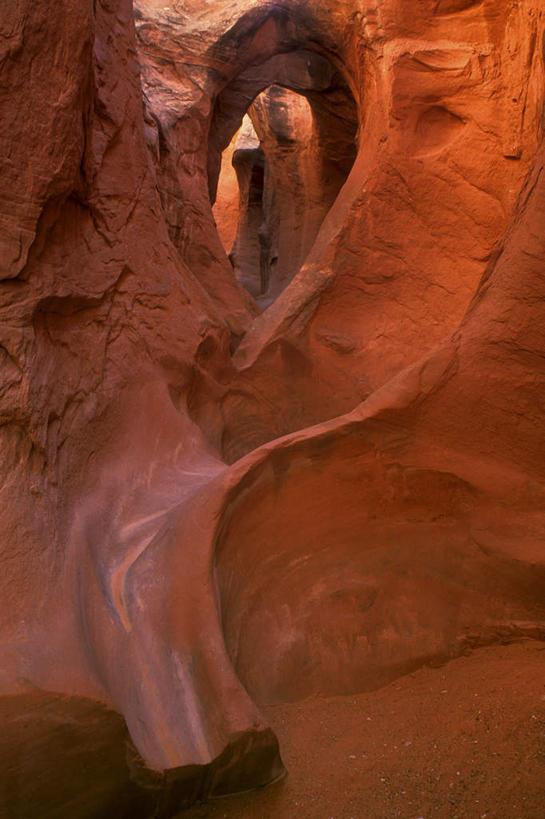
[[209, 503]]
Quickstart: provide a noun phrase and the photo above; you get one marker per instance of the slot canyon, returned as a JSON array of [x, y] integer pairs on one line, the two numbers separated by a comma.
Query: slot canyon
[[272, 409]]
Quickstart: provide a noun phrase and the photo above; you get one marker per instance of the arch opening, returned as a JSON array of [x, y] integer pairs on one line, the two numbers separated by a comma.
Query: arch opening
[[282, 143]]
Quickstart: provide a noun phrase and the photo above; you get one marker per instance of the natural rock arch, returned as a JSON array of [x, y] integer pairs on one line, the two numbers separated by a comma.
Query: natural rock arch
[[127, 536], [302, 154]]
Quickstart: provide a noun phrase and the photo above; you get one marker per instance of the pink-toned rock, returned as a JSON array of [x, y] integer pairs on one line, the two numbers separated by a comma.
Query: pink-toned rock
[[207, 505], [95, 364]]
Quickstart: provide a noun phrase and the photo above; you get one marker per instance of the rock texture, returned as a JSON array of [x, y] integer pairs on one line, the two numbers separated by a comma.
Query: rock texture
[[290, 163], [206, 505], [465, 739]]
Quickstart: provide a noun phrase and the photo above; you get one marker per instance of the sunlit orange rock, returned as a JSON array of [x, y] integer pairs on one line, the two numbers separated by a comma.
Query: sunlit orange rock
[[231, 484]]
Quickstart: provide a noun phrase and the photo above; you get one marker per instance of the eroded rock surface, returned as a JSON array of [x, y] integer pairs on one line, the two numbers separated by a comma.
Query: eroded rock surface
[[212, 501]]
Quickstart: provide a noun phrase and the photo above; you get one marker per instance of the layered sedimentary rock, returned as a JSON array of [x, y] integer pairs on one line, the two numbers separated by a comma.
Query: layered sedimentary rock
[[206, 504]]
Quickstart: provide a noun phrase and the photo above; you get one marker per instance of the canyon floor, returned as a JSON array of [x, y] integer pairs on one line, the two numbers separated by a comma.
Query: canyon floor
[[463, 740]]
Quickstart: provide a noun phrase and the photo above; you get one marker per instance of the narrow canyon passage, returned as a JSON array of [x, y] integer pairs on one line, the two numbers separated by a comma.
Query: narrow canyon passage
[[272, 408], [279, 178]]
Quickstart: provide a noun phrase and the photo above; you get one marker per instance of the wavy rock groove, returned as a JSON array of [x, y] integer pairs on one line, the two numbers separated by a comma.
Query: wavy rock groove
[[272, 391]]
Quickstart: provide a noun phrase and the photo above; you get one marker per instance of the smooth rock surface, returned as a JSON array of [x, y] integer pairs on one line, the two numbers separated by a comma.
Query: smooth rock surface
[[207, 506]]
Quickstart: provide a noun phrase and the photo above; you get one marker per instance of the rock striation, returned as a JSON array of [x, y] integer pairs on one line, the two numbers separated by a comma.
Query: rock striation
[[225, 485]]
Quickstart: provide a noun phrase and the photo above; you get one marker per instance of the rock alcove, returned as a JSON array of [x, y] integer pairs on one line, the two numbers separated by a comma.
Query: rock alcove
[[221, 494]]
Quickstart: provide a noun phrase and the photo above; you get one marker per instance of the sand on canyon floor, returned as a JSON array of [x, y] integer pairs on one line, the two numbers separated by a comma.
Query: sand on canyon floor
[[463, 740]]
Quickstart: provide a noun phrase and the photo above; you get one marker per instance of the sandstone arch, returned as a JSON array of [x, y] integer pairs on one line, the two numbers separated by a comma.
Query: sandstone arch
[[149, 411], [304, 151]]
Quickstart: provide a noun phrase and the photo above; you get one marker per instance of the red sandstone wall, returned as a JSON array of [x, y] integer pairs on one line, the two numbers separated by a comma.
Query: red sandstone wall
[[134, 366]]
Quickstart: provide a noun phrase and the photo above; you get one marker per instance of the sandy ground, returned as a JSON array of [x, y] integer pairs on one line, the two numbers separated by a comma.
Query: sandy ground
[[463, 740]]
